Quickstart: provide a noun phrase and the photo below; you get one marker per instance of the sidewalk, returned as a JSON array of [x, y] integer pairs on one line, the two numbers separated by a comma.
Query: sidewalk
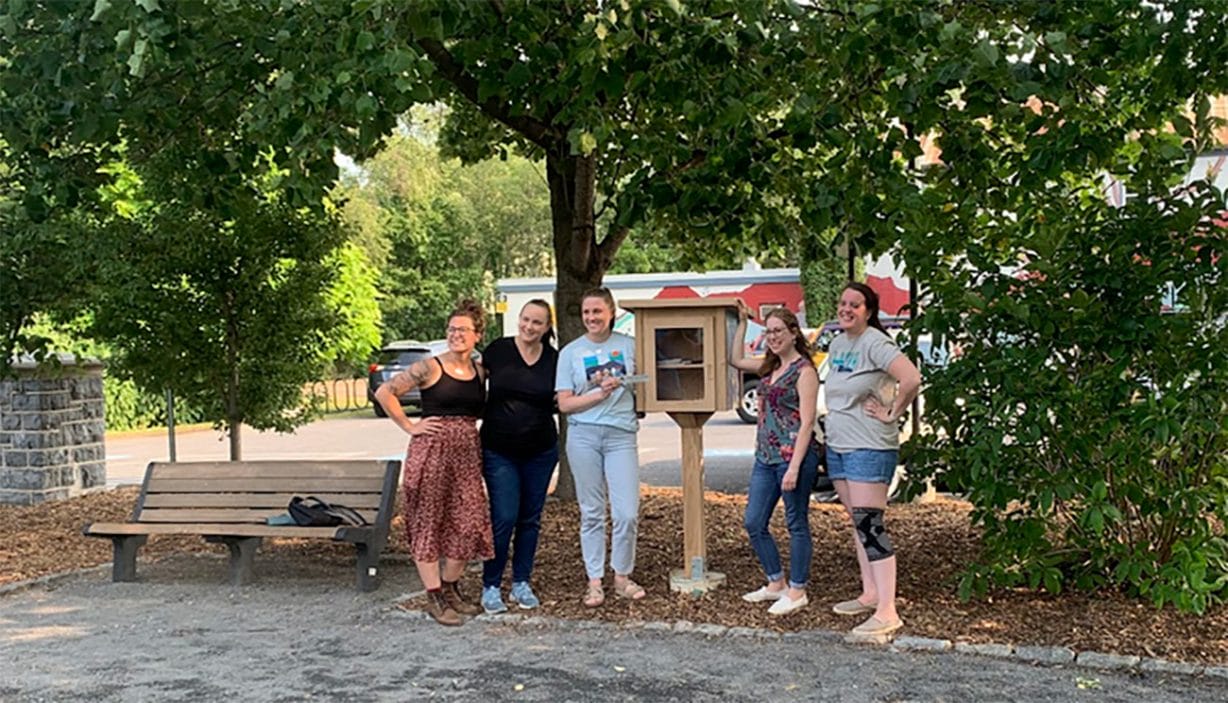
[[302, 633]]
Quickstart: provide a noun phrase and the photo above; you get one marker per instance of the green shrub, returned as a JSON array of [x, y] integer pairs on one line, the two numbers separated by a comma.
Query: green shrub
[[127, 407], [130, 408], [1088, 428]]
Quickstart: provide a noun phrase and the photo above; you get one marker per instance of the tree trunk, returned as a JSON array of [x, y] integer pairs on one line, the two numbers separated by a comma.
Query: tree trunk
[[580, 263], [234, 418], [236, 448], [234, 414]]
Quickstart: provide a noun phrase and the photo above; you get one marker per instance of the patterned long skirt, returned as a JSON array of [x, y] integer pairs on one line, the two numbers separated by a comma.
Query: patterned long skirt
[[445, 508]]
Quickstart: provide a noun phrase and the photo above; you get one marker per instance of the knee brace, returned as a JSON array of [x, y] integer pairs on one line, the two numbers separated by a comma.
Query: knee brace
[[868, 522]]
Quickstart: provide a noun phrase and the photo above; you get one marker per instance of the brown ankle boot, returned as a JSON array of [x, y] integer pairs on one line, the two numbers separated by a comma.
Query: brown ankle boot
[[451, 592], [437, 606]]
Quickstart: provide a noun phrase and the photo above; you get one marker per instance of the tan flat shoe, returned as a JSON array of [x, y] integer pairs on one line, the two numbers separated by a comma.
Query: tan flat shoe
[[853, 607], [873, 627]]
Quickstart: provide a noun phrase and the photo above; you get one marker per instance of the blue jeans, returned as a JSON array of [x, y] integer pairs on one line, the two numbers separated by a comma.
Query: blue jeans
[[517, 490], [761, 502]]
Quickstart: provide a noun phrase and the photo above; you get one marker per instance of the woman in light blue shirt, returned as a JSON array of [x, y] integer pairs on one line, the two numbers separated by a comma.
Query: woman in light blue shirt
[[601, 444]]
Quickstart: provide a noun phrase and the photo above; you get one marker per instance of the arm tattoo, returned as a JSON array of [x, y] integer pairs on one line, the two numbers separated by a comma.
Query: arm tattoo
[[412, 377]]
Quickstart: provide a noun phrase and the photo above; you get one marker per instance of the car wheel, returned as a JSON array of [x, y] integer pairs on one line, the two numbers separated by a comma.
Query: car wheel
[[748, 406], [379, 410]]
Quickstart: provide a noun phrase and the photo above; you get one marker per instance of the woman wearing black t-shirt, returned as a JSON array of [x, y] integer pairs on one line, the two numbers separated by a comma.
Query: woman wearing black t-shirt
[[519, 449]]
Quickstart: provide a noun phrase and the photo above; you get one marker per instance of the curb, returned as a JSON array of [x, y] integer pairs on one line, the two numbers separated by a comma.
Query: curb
[[158, 431], [49, 579], [1025, 654]]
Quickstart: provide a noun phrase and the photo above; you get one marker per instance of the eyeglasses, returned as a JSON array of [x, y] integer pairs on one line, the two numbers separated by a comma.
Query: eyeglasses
[[459, 330], [776, 331]]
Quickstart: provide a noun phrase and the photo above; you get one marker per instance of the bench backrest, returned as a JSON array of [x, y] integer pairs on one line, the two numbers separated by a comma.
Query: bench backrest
[[250, 491]]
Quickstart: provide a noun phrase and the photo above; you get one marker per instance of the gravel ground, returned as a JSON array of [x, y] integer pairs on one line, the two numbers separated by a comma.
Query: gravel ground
[[302, 633]]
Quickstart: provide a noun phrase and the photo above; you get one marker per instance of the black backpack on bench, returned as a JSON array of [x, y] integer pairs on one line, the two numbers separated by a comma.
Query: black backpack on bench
[[313, 512]]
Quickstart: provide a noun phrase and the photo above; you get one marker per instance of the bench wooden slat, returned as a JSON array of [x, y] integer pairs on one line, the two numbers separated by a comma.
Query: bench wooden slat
[[228, 503], [136, 528], [299, 486], [215, 515], [357, 501], [271, 469]]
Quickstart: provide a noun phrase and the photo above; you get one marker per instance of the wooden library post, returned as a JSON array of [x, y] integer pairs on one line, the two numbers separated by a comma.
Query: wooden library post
[[683, 348]]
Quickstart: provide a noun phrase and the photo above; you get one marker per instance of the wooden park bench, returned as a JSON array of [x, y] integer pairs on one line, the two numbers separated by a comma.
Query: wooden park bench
[[228, 502]]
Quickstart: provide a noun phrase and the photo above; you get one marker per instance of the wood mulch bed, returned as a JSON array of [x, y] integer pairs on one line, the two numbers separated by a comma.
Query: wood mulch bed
[[933, 542]]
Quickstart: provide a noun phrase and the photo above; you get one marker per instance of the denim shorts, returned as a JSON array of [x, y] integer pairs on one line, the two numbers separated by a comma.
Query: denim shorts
[[862, 465]]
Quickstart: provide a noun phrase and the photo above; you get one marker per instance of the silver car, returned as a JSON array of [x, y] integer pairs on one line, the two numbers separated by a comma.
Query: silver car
[[394, 358]]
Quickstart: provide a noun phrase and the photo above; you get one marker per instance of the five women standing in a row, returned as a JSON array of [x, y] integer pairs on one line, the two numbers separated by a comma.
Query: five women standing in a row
[[446, 510]]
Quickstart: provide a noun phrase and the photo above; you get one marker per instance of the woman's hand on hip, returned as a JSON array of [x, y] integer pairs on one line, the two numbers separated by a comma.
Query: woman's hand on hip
[[425, 426], [877, 410]]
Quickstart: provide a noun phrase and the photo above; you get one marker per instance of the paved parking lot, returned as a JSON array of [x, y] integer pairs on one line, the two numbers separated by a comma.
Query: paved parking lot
[[728, 447]]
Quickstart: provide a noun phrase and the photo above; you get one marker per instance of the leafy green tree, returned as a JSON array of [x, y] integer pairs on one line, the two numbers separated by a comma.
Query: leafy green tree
[[823, 276], [661, 249], [745, 123], [353, 294], [234, 307], [128, 406], [444, 230], [1087, 428], [35, 262], [652, 104]]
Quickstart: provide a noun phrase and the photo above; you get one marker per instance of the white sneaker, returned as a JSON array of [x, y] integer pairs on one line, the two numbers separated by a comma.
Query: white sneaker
[[787, 605], [763, 595]]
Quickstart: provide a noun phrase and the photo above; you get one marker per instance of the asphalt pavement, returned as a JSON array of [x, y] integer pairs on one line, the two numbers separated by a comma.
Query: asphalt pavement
[[728, 447], [301, 633]]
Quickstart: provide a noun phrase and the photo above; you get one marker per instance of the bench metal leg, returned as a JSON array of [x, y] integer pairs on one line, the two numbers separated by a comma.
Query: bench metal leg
[[242, 555], [368, 567], [123, 563]]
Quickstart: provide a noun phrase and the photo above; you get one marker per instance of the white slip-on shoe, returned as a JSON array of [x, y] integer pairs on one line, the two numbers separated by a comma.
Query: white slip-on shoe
[[763, 595], [787, 605]]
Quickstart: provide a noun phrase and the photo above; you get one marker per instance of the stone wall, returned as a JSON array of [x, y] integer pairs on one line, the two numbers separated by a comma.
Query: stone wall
[[51, 432]]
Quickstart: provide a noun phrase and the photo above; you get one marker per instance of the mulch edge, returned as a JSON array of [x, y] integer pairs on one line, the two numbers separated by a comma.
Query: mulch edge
[[49, 579], [54, 578], [1026, 654]]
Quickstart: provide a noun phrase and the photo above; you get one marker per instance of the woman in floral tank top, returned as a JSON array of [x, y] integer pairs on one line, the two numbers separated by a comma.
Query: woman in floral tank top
[[786, 457]]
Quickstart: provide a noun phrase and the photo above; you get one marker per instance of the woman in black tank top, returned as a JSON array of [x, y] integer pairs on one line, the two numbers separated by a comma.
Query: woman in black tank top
[[445, 508]]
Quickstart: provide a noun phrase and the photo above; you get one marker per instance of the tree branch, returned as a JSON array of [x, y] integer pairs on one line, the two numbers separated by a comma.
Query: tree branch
[[609, 245], [537, 132]]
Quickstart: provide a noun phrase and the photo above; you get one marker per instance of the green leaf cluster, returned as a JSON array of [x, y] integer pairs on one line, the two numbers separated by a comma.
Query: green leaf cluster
[[128, 406], [224, 292], [439, 230], [1084, 413]]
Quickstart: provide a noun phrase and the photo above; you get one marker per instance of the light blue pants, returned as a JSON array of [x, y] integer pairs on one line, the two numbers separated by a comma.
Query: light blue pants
[[605, 459]]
